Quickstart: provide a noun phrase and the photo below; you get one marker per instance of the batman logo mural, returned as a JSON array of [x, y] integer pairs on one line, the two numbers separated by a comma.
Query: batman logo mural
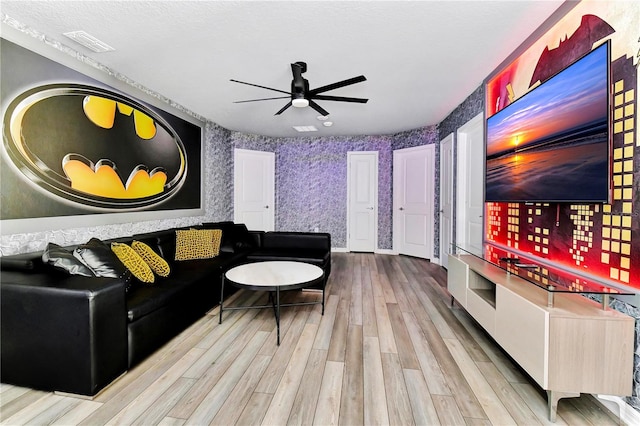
[[94, 147]]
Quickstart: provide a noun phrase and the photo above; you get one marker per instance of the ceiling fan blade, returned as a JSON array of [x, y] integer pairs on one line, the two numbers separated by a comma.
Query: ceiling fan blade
[[340, 98], [262, 99], [338, 84], [284, 108], [318, 108], [262, 87]]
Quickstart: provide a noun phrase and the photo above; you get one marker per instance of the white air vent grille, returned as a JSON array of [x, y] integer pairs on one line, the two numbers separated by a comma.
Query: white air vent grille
[[89, 41], [305, 128]]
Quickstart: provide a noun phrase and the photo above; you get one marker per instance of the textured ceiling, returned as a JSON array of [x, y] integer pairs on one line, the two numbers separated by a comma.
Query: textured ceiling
[[421, 58]]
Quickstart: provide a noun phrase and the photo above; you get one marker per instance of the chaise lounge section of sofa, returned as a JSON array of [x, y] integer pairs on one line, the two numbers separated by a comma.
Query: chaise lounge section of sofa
[[76, 334]]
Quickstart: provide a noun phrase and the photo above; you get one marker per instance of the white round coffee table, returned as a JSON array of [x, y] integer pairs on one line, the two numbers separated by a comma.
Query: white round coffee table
[[273, 276]]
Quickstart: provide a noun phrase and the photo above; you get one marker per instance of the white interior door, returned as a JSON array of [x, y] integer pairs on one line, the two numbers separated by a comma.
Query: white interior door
[[413, 189], [470, 196], [446, 198], [362, 194], [254, 189]]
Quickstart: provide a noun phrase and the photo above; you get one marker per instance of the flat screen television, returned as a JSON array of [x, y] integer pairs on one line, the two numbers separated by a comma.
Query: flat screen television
[[553, 143]]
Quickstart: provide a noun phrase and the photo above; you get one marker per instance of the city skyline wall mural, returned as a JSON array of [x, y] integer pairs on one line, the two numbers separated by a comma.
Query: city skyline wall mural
[[599, 239], [75, 146]]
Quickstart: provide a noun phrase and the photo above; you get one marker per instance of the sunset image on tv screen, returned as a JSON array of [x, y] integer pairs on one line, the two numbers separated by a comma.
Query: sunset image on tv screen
[[552, 144]]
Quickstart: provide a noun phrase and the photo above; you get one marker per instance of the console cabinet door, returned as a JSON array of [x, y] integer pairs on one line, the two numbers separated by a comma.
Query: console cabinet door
[[522, 329], [457, 277]]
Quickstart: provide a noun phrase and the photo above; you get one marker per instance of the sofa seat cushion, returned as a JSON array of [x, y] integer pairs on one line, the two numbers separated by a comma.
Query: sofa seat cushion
[[187, 278], [315, 257]]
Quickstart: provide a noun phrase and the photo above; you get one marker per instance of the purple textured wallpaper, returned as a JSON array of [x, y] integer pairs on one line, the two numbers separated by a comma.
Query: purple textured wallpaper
[[311, 179]]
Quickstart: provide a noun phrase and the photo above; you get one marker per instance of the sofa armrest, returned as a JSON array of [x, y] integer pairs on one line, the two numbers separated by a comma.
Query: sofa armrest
[[61, 332]]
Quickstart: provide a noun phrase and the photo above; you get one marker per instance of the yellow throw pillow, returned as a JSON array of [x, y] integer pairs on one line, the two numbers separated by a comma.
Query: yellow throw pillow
[[133, 262], [153, 259], [216, 240], [195, 244]]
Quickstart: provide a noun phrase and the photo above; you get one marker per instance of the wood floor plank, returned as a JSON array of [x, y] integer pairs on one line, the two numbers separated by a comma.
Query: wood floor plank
[[213, 330], [593, 410], [369, 322], [447, 409], [518, 409], [399, 406], [287, 317], [171, 421], [406, 352], [355, 306], [536, 403], [213, 401], [145, 399], [280, 406], [223, 335], [375, 399], [159, 409], [433, 375], [352, 396], [490, 351], [239, 397], [280, 360], [53, 413], [398, 286], [19, 403], [137, 380], [31, 411], [422, 407], [78, 413], [337, 347], [420, 290], [493, 407], [256, 408], [328, 408], [323, 338], [464, 396], [304, 406], [385, 285], [385, 331], [10, 393], [190, 401]]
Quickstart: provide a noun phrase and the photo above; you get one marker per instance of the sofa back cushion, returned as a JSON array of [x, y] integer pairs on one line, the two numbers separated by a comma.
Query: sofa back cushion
[[162, 242], [302, 240]]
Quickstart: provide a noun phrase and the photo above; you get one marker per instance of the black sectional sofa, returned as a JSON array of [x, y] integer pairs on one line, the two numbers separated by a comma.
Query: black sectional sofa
[[76, 334]]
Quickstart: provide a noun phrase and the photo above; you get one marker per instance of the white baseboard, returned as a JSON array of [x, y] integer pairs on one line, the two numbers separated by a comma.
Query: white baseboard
[[377, 251], [385, 251], [615, 404]]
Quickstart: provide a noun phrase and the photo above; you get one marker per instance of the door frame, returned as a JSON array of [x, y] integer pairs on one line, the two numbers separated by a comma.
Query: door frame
[[395, 207], [350, 155], [444, 250], [272, 165], [462, 150]]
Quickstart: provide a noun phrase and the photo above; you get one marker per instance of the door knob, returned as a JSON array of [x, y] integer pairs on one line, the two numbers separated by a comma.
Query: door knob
[[369, 208], [266, 207], [401, 208]]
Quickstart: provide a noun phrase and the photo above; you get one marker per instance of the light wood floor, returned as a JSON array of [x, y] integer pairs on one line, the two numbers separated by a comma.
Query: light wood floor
[[389, 350]]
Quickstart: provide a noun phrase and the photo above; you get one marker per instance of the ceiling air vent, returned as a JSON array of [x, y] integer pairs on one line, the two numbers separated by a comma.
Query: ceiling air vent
[[89, 41], [306, 128]]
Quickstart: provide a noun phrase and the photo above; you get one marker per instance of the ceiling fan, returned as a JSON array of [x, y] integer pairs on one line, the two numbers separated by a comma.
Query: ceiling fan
[[301, 96]]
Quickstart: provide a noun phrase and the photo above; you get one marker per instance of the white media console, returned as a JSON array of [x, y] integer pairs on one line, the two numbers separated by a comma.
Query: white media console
[[567, 343]]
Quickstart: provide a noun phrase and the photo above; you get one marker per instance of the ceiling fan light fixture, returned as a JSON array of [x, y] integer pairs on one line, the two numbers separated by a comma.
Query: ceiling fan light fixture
[[300, 103]]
